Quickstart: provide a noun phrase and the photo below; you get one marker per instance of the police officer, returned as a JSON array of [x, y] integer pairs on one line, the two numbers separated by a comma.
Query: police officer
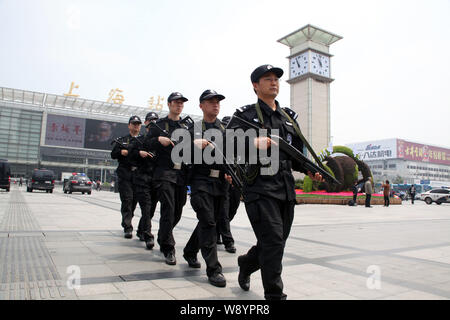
[[224, 234], [142, 179], [151, 116], [124, 173], [269, 199], [169, 179], [209, 187]]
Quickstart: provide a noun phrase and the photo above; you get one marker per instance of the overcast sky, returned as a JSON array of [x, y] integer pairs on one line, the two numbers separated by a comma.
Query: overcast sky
[[391, 69]]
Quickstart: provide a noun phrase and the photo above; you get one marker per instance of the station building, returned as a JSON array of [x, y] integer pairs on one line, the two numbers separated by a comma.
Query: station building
[[411, 161], [62, 133]]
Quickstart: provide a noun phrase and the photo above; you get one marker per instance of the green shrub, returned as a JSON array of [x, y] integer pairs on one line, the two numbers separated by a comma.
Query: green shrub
[[307, 184], [299, 184]]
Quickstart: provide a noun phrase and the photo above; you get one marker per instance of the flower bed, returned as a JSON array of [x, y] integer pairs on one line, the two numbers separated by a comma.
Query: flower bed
[[341, 198]]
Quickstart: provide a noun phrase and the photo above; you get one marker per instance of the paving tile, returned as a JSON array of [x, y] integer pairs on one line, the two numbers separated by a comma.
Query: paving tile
[[190, 293], [135, 286], [96, 289], [414, 295], [173, 283], [112, 296], [154, 294]]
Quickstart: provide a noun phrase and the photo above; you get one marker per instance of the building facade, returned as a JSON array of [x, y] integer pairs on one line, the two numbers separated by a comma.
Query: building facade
[[62, 133], [411, 162]]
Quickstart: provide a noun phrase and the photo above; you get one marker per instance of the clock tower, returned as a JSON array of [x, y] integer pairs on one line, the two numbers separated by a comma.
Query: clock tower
[[310, 78]]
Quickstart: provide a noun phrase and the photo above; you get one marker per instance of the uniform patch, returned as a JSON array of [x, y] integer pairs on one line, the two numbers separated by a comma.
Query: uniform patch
[[291, 113], [289, 138], [244, 108]]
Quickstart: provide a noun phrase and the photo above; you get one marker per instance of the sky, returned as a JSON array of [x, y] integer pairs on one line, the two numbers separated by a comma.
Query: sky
[[391, 68]]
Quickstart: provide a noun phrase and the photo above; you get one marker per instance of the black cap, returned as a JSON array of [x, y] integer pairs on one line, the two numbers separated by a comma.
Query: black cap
[[208, 94], [176, 96], [134, 119], [261, 70], [151, 116]]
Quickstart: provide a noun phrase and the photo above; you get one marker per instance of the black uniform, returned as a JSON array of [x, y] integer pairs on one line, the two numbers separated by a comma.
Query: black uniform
[[125, 179], [270, 201], [169, 181], [223, 222], [142, 180], [209, 195]]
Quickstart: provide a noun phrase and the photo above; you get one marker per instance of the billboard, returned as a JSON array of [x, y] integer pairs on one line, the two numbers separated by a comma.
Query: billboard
[[99, 134], [64, 131], [375, 150], [72, 132], [422, 152]]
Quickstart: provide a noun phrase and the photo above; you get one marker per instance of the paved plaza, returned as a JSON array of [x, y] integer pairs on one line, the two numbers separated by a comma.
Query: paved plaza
[[49, 241]]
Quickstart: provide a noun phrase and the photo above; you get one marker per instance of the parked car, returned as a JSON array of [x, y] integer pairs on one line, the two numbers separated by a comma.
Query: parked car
[[78, 182], [41, 179], [436, 195], [5, 175]]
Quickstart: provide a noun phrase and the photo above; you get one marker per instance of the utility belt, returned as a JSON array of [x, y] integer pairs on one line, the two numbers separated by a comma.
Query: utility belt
[[212, 173], [175, 166]]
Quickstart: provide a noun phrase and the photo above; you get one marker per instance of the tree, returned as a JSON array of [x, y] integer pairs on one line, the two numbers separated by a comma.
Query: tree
[[398, 180]]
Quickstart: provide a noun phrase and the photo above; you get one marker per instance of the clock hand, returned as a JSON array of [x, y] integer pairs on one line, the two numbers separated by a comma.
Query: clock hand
[[296, 60]]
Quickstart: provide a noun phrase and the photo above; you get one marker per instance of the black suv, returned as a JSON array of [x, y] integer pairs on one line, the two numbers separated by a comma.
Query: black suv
[[78, 182], [5, 175], [41, 179]]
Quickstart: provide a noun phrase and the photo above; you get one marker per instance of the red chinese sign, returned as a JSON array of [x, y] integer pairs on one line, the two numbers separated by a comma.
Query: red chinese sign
[[421, 152]]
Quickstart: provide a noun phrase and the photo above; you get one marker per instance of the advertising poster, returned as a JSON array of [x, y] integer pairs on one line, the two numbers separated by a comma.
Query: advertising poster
[[99, 134], [65, 131], [423, 153], [375, 150]]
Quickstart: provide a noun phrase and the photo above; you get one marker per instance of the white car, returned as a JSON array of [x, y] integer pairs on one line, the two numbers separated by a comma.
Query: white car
[[436, 195]]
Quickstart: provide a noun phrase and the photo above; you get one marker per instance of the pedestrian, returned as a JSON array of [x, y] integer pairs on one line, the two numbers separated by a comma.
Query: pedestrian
[[151, 116], [412, 192], [386, 192], [209, 194], [357, 186], [269, 199], [124, 173], [98, 185], [368, 188], [20, 182], [169, 178]]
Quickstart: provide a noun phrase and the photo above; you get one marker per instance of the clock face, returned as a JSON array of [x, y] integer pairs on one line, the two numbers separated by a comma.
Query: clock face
[[320, 64], [299, 65]]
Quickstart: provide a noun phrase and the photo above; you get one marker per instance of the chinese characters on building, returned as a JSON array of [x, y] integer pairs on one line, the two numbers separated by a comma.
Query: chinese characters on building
[[425, 153], [116, 96], [158, 106]]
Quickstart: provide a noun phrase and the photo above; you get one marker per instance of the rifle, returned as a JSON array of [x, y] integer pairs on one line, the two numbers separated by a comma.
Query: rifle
[[296, 155], [228, 166], [187, 121], [116, 140], [126, 147]]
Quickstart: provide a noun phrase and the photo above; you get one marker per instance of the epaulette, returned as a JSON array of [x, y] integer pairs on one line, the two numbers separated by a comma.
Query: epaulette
[[244, 108], [291, 113]]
